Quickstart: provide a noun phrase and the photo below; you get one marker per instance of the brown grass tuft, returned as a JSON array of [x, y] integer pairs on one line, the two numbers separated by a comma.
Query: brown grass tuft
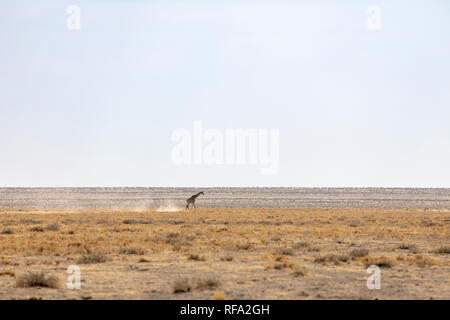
[[132, 250], [97, 257], [196, 257], [443, 250], [358, 253], [382, 262]]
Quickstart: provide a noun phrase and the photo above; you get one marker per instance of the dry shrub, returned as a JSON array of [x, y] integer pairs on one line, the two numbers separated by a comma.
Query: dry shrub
[[207, 283], [182, 285], [33, 279], [422, 262], [281, 266], [7, 273], [175, 239], [186, 285], [382, 262], [96, 257], [134, 221], [300, 245], [332, 258], [7, 231], [443, 250], [226, 258], [284, 252], [132, 250], [52, 227], [299, 271], [280, 258], [358, 253], [243, 246], [37, 229], [196, 257], [411, 247]]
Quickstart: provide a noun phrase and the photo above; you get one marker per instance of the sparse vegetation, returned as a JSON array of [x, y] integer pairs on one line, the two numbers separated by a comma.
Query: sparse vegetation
[[34, 279], [183, 285], [96, 257], [382, 262], [358, 253], [52, 227], [332, 258], [132, 250], [299, 271], [196, 257], [410, 247], [300, 245], [147, 257], [37, 229], [7, 273], [7, 231], [284, 252], [443, 250]]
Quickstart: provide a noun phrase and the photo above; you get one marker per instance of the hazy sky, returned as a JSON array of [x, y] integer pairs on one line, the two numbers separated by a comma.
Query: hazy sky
[[98, 106]]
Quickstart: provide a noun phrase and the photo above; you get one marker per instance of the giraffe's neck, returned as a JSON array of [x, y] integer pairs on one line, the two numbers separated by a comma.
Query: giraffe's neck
[[196, 195]]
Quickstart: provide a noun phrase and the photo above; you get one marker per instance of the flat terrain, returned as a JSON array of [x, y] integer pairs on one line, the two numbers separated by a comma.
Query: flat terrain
[[233, 253], [142, 198]]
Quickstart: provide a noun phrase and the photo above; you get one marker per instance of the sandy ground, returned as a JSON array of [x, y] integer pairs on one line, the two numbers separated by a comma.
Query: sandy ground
[[226, 253]]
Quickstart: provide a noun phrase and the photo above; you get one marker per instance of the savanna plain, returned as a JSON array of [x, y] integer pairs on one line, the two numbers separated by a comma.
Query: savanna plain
[[224, 253]]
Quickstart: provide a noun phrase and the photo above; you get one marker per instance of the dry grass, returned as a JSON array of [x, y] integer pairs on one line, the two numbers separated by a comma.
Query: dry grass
[[258, 249], [96, 257], [132, 250], [382, 262], [332, 258], [443, 250], [184, 285], [196, 257], [7, 273], [358, 253]]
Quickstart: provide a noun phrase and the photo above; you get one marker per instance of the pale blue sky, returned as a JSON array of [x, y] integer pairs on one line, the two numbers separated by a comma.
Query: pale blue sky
[[97, 107]]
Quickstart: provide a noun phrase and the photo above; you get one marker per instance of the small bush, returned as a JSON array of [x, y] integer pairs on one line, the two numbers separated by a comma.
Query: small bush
[[443, 250], [226, 258], [332, 258], [52, 227], [132, 250], [207, 283], [97, 257], [187, 285], [358, 253], [196, 257], [410, 247], [284, 252], [300, 245], [7, 273], [382, 262], [299, 271], [7, 231], [37, 229], [182, 285], [37, 280], [281, 266], [244, 246]]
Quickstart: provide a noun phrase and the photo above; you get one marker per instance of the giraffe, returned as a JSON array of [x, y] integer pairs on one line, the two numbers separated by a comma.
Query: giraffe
[[191, 200]]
